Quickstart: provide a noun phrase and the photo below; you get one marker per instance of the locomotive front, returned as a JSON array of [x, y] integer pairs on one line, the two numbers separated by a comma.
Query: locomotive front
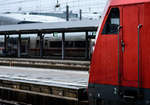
[[120, 66]]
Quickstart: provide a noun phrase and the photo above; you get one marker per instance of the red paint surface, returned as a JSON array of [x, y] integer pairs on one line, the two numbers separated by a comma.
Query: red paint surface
[[126, 2], [145, 43], [130, 37], [104, 59], [104, 64]]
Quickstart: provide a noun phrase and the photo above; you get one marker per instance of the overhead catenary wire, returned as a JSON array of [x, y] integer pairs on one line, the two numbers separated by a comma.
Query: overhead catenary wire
[[87, 6]]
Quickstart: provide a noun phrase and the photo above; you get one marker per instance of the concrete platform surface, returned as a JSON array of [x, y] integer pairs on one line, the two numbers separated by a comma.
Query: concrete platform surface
[[50, 77], [46, 63]]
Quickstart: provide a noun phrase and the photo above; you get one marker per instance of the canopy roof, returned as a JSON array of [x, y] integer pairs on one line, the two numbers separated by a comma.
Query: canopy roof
[[71, 26]]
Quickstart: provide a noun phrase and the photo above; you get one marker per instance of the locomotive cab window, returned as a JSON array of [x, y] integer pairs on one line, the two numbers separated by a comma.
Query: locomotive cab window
[[112, 22]]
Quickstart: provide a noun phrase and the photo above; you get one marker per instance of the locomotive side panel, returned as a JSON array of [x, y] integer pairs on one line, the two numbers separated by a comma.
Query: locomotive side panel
[[146, 48], [129, 74]]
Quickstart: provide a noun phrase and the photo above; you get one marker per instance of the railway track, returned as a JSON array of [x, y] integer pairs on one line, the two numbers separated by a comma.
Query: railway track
[[6, 102]]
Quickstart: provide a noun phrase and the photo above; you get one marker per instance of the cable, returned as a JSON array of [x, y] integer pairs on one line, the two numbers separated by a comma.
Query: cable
[[87, 6]]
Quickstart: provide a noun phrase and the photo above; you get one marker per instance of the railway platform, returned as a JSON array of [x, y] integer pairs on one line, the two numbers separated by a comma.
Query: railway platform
[[36, 86], [46, 63]]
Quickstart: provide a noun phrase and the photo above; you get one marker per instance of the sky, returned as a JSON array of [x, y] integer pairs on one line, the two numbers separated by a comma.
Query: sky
[[87, 6]]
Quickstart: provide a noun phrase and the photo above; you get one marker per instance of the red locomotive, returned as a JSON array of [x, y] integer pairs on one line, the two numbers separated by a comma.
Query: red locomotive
[[120, 66]]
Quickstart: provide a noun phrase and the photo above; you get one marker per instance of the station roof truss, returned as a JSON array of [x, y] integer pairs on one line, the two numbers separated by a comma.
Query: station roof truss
[[71, 26]]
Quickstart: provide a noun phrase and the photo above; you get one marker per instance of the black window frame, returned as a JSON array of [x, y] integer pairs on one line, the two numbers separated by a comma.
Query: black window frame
[[111, 29]]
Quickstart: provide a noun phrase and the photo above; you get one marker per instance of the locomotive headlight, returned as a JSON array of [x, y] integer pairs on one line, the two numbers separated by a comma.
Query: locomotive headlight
[[115, 91], [98, 95]]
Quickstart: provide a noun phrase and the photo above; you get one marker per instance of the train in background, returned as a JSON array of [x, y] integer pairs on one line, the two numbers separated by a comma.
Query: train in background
[[75, 45], [120, 66]]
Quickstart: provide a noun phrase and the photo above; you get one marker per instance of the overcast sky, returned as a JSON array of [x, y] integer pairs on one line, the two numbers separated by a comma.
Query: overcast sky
[[88, 6]]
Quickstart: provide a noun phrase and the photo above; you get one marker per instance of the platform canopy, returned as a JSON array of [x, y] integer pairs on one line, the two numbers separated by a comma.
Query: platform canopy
[[71, 26]]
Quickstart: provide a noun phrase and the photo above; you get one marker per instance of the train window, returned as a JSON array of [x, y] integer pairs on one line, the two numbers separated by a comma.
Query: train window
[[49, 44], [1, 44], [37, 43], [55, 44], [112, 22], [68, 44], [75, 44], [46, 43], [80, 44]]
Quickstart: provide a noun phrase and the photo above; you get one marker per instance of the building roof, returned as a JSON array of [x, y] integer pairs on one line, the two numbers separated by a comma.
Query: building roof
[[124, 2], [32, 18], [7, 20], [71, 26]]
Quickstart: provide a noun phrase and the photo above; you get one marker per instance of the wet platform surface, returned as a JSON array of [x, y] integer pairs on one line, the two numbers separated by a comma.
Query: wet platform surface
[[50, 77]]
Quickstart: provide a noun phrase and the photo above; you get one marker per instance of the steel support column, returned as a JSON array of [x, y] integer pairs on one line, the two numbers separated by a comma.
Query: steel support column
[[19, 46], [41, 44], [5, 44], [86, 46], [63, 46]]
